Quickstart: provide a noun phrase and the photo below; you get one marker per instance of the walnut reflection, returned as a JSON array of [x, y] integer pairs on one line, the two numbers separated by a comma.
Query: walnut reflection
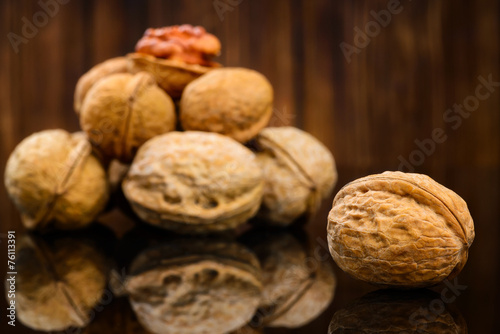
[[393, 311], [298, 282], [61, 278], [194, 285]]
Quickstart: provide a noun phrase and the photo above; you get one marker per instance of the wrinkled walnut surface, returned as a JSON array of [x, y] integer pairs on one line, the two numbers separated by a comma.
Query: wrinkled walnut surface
[[175, 56], [52, 177], [299, 171], [194, 286], [122, 111], [236, 102], [57, 283], [401, 230], [185, 43], [194, 182]]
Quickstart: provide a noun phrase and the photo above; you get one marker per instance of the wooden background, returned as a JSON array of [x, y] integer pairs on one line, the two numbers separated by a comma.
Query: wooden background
[[368, 111]]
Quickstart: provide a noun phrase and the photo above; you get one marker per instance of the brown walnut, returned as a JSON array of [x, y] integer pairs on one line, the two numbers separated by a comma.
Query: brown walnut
[[52, 177], [399, 229], [194, 182], [194, 286], [96, 73], [175, 55], [299, 172], [236, 102], [122, 111], [59, 281]]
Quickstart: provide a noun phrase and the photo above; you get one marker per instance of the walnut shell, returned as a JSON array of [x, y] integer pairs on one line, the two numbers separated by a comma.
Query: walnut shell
[[299, 172], [171, 75], [194, 182], [392, 312], [194, 286], [236, 102], [248, 329], [51, 176], [121, 111], [116, 173], [96, 73], [399, 230], [58, 283], [297, 286]]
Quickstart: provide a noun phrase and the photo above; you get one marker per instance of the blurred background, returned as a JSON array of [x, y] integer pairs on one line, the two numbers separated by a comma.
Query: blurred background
[[385, 85]]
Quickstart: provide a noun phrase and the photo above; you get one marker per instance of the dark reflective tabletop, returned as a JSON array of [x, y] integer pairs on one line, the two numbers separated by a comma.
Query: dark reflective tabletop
[[121, 275]]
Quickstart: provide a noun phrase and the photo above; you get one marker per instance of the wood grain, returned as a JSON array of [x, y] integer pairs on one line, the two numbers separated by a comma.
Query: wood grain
[[368, 112]]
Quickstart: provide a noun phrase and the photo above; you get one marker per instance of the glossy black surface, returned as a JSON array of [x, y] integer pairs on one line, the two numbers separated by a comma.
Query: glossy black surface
[[469, 303]]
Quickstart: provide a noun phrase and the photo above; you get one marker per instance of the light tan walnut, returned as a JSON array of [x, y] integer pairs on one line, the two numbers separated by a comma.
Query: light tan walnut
[[299, 172], [96, 73], [122, 111], [399, 229], [236, 102], [194, 182], [194, 286], [52, 177]]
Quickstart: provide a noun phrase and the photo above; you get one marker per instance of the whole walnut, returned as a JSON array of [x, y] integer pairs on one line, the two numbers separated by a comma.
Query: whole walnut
[[96, 73], [59, 281], [194, 182], [297, 285], [175, 55], [236, 102], [299, 172], [194, 286], [399, 230], [122, 111], [52, 177], [394, 312]]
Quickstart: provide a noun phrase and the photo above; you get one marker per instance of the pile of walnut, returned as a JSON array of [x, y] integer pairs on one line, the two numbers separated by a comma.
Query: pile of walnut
[[222, 166], [193, 132]]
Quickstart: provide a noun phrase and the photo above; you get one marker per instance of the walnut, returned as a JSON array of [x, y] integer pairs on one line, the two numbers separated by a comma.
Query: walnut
[[52, 177], [96, 73], [399, 230], [116, 173], [175, 55], [298, 170], [122, 111], [194, 286], [297, 286], [194, 182], [389, 311], [236, 102], [59, 281]]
